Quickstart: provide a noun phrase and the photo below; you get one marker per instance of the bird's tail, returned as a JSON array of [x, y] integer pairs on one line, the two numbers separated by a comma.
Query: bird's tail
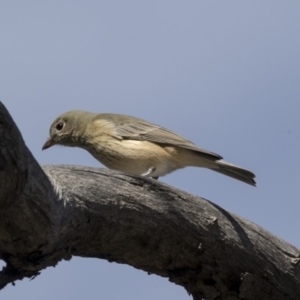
[[234, 171], [193, 158]]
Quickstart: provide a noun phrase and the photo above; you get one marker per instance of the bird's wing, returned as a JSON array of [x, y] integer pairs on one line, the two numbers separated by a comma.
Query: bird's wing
[[144, 131]]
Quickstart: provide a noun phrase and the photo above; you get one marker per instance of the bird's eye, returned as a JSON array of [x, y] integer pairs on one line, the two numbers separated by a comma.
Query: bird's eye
[[59, 126]]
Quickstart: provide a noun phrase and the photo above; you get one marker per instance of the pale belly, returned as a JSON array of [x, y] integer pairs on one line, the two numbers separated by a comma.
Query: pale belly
[[136, 157]]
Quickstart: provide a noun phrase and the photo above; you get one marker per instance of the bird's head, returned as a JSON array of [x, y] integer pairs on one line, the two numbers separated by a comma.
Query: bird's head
[[68, 129]]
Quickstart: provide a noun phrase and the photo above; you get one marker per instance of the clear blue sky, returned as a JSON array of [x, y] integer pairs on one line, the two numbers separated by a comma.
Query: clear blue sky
[[225, 74]]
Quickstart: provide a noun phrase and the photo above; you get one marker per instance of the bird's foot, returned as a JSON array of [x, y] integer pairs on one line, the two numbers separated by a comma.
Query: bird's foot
[[149, 172]]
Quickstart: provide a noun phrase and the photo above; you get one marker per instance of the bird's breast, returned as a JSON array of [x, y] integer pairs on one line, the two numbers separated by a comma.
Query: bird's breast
[[135, 157]]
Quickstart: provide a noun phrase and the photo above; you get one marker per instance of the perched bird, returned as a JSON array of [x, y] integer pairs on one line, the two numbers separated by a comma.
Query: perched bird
[[136, 146]]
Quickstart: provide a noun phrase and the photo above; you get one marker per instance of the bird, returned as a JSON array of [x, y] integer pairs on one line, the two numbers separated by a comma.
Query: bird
[[136, 146]]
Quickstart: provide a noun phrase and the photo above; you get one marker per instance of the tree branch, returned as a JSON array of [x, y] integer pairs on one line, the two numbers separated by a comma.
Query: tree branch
[[53, 213]]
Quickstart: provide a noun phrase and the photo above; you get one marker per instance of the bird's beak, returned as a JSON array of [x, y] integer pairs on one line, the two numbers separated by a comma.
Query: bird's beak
[[48, 144]]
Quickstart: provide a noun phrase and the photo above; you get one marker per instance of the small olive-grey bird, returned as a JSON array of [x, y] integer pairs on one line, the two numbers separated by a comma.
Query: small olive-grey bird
[[136, 146]]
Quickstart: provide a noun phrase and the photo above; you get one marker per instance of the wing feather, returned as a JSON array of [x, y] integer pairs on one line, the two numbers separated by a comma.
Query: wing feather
[[144, 131]]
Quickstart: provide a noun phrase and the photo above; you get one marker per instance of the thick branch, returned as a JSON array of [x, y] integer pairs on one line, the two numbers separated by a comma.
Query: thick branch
[[138, 221]]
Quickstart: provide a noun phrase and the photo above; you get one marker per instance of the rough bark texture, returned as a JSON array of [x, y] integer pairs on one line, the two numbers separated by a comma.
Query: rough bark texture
[[53, 213]]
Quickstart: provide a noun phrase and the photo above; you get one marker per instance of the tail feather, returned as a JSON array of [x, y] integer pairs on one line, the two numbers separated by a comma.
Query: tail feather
[[235, 172], [192, 158]]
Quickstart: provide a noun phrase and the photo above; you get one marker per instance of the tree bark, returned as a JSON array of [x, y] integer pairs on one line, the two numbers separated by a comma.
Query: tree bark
[[52, 213]]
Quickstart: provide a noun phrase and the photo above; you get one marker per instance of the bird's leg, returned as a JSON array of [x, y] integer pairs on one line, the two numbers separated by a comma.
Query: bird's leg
[[149, 172]]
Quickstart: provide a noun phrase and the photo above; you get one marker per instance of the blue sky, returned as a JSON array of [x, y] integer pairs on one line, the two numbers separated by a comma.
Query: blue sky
[[224, 74]]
